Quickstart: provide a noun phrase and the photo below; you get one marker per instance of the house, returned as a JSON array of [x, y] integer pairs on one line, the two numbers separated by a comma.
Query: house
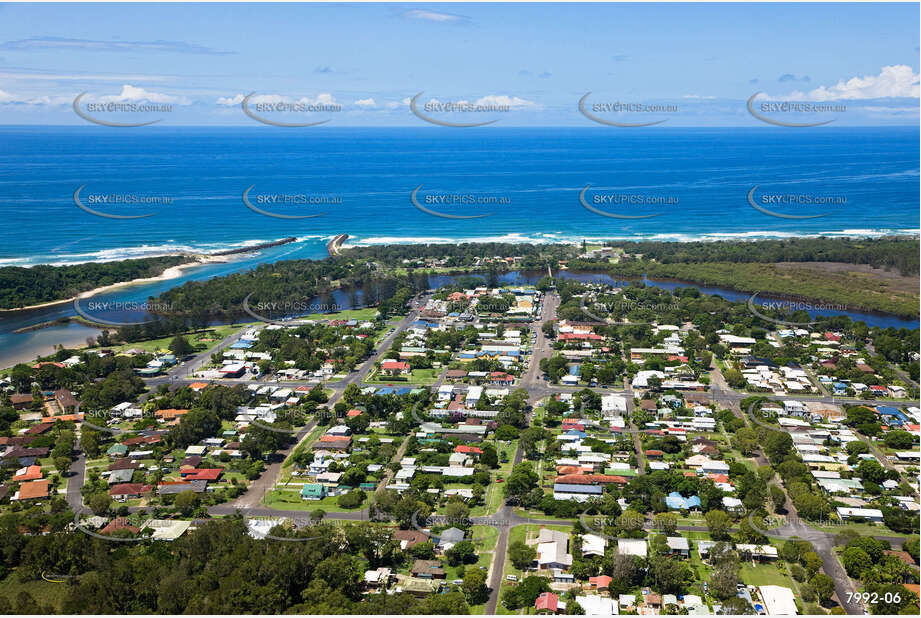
[[428, 569], [678, 546], [28, 473], [166, 529], [547, 603], [33, 490], [676, 501], [121, 475], [117, 450], [201, 474], [449, 538], [632, 547], [117, 524], [597, 605], [601, 582], [593, 545], [313, 491], [395, 368], [66, 400], [409, 538], [125, 491], [378, 578], [551, 550], [778, 600], [846, 513]]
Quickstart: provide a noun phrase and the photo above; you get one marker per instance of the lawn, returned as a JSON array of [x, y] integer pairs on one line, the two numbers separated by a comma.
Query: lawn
[[44, 592], [418, 377], [764, 574], [290, 500], [200, 340]]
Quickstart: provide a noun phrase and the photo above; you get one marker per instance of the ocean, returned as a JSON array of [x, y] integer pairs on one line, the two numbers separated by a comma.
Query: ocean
[[527, 185], [527, 181]]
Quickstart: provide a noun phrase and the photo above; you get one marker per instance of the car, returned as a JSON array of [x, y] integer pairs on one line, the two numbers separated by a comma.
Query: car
[[457, 582], [500, 480], [512, 578]]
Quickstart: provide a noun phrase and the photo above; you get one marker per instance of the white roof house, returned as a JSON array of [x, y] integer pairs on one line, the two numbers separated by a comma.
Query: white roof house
[[848, 512], [779, 600], [593, 545], [631, 547]]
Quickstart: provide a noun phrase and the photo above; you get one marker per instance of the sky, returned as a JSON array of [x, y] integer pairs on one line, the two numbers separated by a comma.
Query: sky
[[510, 64]]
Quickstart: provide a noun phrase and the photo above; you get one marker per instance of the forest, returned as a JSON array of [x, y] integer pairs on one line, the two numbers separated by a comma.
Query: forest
[[22, 287]]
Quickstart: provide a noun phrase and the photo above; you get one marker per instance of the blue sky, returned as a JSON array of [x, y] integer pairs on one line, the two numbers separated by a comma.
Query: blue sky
[[526, 64]]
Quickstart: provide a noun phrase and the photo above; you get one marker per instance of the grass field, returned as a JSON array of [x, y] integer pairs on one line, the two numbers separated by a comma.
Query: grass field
[[765, 574], [290, 500], [199, 340], [44, 592]]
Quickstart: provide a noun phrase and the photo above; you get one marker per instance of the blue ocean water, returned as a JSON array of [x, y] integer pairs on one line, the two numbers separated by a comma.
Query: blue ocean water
[[531, 179]]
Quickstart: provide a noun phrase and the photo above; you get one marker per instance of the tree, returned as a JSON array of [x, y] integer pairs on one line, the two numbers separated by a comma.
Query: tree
[[99, 503], [62, 464], [186, 501], [317, 515], [522, 480], [813, 562], [778, 498], [724, 579], [458, 513], [823, 585], [180, 346], [463, 552], [666, 522], [899, 439], [855, 561], [521, 555], [474, 586], [718, 523]]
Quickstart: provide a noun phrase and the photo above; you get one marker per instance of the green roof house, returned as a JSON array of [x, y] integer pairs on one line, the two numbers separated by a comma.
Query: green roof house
[[313, 491], [117, 450]]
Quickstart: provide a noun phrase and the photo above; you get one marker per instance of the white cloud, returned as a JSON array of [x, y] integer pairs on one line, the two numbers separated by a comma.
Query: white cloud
[[504, 100], [135, 93], [698, 97], [230, 101], [436, 16], [369, 102], [893, 81], [10, 98], [321, 99]]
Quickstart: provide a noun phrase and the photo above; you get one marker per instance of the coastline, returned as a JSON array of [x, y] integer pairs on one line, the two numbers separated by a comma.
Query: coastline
[[170, 273]]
